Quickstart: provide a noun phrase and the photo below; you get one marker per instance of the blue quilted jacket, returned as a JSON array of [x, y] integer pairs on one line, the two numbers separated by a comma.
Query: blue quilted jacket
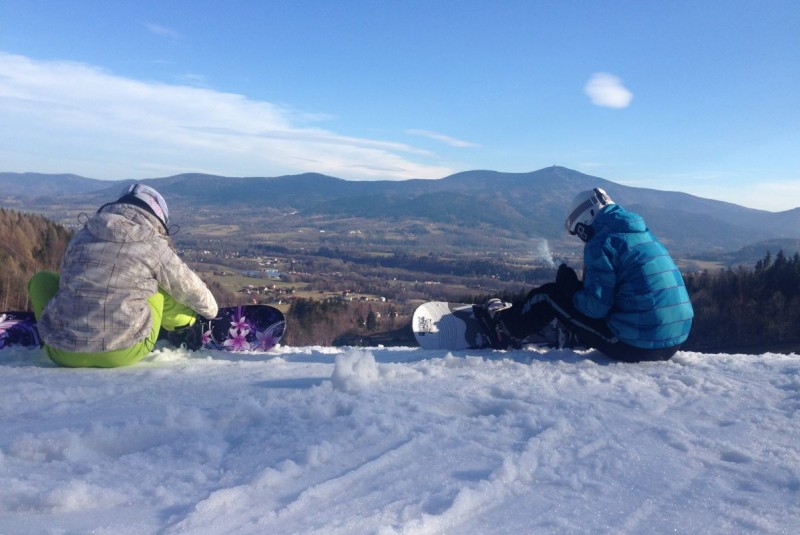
[[631, 280]]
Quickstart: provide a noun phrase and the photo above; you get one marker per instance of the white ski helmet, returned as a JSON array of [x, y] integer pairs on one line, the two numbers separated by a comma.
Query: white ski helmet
[[151, 199], [585, 207]]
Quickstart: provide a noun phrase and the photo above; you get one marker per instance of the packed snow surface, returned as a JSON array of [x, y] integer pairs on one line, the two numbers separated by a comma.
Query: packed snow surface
[[386, 441]]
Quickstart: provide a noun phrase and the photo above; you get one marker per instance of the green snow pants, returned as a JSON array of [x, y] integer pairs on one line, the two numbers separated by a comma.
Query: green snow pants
[[165, 310]]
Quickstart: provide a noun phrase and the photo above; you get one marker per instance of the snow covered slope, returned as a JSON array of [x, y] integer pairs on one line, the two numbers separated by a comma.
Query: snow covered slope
[[325, 440]]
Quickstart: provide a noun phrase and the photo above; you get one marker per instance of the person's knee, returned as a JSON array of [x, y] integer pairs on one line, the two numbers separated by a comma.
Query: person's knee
[[41, 289], [174, 315], [44, 281]]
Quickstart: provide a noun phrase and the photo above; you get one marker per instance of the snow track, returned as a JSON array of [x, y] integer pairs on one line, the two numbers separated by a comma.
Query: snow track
[[323, 440]]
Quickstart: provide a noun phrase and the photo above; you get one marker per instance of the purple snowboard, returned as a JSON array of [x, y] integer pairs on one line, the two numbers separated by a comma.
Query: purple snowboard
[[18, 329], [243, 328], [239, 328]]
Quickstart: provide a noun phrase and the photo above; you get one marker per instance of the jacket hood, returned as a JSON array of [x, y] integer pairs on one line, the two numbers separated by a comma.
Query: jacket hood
[[614, 218], [123, 223]]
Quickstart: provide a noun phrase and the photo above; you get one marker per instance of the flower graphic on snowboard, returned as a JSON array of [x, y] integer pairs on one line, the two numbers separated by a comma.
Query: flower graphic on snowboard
[[260, 332], [236, 342], [269, 336], [238, 332]]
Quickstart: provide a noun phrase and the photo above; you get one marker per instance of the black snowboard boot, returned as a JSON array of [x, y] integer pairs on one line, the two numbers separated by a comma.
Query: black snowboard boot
[[496, 333], [190, 335]]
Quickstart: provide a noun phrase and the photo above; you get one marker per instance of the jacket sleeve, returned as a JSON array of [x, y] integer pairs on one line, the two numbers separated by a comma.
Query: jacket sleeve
[[599, 283], [183, 284]]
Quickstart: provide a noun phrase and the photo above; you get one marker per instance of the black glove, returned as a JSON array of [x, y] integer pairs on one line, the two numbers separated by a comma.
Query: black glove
[[567, 280]]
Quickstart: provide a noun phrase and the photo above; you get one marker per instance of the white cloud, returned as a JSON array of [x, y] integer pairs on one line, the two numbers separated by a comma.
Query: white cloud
[[447, 140], [72, 117], [163, 31], [607, 90]]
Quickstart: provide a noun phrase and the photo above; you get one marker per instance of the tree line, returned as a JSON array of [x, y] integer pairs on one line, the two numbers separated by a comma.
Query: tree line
[[333, 322], [28, 243], [736, 310], [747, 310]]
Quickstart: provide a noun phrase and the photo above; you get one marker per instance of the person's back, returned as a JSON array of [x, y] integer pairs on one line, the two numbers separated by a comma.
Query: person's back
[[631, 305], [120, 282], [107, 275], [631, 280]]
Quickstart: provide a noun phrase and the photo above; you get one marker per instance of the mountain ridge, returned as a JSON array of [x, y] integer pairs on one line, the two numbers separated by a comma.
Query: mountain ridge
[[521, 205]]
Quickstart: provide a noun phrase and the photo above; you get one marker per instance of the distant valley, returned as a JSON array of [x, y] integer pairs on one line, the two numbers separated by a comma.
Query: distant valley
[[475, 213], [350, 261]]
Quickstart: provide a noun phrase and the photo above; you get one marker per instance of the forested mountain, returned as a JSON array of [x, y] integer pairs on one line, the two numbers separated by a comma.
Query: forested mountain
[[28, 243], [469, 206]]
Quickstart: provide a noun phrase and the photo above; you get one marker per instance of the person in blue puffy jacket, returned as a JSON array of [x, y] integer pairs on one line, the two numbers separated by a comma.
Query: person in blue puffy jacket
[[632, 304]]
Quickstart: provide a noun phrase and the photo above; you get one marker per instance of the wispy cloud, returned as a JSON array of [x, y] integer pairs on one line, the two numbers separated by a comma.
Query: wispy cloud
[[197, 80], [162, 31], [89, 121], [447, 140], [607, 90]]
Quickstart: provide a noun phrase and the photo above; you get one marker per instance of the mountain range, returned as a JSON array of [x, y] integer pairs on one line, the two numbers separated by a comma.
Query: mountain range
[[520, 205]]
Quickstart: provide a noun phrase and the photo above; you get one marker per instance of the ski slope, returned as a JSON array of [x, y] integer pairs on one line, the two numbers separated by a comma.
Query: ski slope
[[389, 441]]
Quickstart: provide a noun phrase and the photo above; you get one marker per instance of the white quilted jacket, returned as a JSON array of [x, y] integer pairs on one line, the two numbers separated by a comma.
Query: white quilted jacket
[[112, 266]]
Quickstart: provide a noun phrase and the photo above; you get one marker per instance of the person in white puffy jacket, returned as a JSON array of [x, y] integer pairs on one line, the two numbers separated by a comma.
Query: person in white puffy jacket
[[120, 282]]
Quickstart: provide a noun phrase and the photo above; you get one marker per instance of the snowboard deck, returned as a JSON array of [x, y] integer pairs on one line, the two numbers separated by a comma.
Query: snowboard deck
[[18, 328], [443, 325], [240, 328], [453, 326]]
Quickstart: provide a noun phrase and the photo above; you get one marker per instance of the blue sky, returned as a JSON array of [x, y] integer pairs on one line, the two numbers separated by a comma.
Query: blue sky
[[695, 96]]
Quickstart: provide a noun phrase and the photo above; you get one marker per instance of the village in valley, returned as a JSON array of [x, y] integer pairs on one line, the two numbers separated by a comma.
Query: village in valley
[[356, 296]]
